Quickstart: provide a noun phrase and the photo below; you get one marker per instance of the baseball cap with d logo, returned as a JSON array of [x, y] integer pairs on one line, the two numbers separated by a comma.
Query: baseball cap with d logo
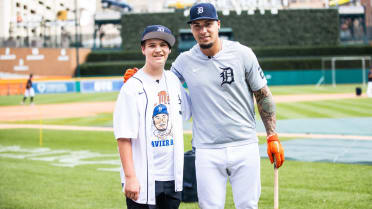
[[203, 11], [158, 32]]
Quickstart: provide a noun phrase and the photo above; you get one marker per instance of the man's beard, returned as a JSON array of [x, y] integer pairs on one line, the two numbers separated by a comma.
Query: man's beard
[[206, 46]]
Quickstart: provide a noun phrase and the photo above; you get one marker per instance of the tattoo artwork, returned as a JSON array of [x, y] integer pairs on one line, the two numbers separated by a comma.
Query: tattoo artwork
[[266, 108]]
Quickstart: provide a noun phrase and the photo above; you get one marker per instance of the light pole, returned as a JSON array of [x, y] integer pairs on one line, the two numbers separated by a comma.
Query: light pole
[[77, 43]]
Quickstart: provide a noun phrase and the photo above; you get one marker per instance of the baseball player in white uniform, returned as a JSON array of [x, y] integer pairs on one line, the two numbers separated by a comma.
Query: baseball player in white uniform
[[148, 127], [223, 77], [29, 91], [369, 88]]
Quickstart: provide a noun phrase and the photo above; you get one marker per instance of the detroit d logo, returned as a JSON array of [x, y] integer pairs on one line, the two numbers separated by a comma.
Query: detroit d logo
[[227, 75], [200, 10]]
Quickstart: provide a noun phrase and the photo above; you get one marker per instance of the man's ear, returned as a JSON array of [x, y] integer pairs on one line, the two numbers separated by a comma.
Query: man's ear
[[143, 49]]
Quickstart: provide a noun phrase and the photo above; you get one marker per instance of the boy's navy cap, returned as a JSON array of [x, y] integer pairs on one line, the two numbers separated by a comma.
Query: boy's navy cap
[[158, 32], [203, 11]]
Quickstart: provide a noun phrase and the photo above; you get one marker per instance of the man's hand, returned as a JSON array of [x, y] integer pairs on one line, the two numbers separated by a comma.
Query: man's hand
[[129, 73], [132, 188], [275, 150]]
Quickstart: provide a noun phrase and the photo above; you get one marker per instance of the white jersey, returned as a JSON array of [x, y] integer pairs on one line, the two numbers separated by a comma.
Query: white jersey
[[133, 118], [221, 94]]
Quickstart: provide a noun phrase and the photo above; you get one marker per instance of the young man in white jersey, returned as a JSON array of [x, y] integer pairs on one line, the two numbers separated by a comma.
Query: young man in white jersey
[[148, 128], [223, 77]]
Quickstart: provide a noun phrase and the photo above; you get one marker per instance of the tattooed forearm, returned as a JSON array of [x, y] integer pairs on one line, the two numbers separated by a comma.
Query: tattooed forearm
[[266, 107]]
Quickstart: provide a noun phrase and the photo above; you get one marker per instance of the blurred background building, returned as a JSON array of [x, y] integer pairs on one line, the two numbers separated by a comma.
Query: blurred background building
[[77, 38], [45, 23]]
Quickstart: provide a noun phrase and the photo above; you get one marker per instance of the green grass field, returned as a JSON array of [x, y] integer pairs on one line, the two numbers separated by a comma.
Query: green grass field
[[343, 108], [311, 89], [89, 97], [60, 98], [29, 180], [36, 184]]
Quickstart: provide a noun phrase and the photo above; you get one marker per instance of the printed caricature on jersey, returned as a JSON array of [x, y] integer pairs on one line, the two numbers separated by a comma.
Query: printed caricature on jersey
[[162, 140], [162, 128]]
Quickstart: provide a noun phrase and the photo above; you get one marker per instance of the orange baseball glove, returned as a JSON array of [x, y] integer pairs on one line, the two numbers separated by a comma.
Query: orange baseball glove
[[275, 150], [129, 73]]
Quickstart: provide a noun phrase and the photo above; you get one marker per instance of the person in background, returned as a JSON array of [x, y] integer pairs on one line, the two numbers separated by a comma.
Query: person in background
[[369, 88], [29, 91]]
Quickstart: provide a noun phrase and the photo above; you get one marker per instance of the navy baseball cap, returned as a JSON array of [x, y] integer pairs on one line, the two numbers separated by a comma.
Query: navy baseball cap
[[158, 32], [203, 11]]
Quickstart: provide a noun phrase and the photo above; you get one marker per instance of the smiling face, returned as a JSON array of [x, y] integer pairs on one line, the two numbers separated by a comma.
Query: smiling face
[[205, 32], [156, 52], [161, 122]]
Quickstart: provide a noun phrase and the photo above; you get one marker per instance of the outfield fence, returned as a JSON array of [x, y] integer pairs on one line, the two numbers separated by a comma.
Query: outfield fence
[[312, 77], [53, 86], [11, 88]]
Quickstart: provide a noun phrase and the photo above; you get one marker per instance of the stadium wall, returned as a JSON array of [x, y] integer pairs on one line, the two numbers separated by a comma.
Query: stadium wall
[[312, 77], [287, 28], [41, 61], [57, 86]]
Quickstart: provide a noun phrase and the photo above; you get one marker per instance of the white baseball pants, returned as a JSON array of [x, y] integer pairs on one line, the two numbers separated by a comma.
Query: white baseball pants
[[241, 164], [369, 89], [29, 92]]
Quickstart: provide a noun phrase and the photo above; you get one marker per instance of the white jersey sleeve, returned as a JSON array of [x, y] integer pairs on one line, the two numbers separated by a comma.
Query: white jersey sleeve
[[253, 73], [126, 116]]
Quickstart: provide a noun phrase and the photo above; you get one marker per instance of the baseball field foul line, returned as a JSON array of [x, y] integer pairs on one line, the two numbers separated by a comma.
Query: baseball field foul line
[[95, 128]]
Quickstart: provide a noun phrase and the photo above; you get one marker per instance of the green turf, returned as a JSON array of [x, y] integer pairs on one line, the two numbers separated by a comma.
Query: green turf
[[101, 119], [60, 98], [111, 96], [31, 184], [80, 140], [312, 89], [343, 108]]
